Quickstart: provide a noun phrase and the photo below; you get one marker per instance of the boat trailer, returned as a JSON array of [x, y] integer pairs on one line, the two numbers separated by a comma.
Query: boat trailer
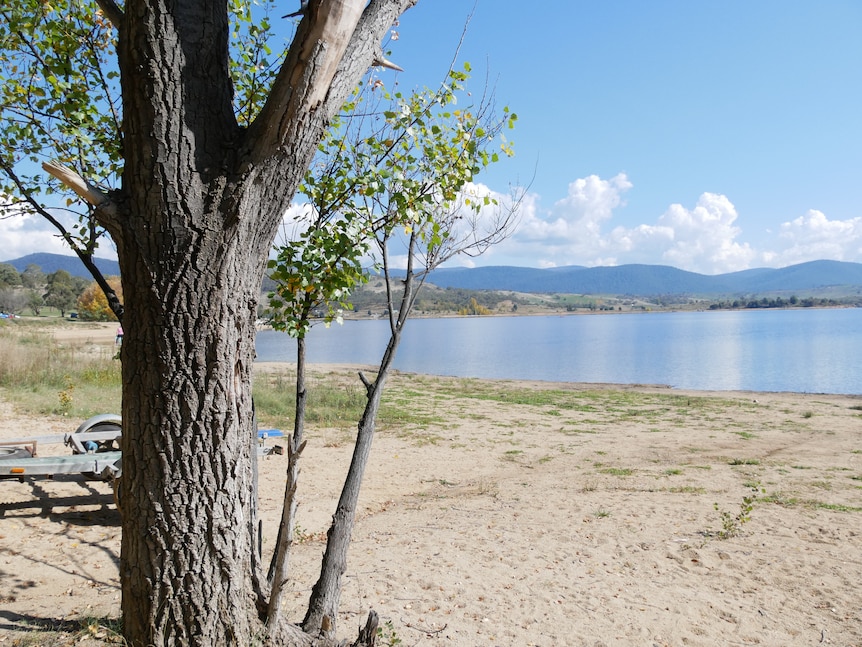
[[95, 446]]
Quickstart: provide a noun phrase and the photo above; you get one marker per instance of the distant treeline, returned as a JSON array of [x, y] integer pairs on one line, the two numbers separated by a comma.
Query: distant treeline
[[778, 302]]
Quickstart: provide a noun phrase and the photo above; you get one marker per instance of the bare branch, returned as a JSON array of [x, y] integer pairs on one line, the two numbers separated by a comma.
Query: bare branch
[[89, 192], [335, 43]]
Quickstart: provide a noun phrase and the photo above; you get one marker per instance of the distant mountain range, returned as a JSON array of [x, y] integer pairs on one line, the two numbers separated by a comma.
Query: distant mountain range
[[634, 280], [51, 263], [653, 280]]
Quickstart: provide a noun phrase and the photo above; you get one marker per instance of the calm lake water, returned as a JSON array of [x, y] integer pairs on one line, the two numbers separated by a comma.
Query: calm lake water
[[800, 350]]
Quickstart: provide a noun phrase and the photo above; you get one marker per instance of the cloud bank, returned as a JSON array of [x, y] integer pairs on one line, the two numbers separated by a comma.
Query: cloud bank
[[706, 237]]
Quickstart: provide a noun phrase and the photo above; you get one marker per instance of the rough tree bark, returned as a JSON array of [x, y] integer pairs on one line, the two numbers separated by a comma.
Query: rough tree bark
[[193, 223]]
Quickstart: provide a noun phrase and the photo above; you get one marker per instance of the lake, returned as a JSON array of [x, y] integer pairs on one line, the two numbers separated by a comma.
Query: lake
[[799, 350]]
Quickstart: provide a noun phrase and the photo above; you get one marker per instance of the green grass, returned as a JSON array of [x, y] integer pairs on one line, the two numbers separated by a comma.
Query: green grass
[[42, 377], [617, 471]]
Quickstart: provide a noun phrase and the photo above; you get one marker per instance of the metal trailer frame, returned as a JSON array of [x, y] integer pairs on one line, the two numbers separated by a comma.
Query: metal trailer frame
[[95, 451], [94, 445]]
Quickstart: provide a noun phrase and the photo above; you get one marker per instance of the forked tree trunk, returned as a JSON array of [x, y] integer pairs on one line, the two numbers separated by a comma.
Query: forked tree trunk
[[200, 204]]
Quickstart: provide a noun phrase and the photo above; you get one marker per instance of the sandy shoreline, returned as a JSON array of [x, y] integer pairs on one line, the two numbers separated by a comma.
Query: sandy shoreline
[[529, 513]]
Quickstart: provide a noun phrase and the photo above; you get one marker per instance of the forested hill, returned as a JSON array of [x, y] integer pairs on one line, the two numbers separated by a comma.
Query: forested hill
[[50, 263], [635, 280], [647, 280]]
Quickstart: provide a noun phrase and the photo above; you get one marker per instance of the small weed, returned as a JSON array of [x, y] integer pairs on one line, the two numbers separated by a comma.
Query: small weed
[[744, 461], [65, 396], [808, 414], [387, 635], [731, 524], [302, 536], [673, 471], [601, 513]]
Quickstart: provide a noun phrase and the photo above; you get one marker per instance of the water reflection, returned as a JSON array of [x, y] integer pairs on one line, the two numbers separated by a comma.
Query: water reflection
[[772, 350]]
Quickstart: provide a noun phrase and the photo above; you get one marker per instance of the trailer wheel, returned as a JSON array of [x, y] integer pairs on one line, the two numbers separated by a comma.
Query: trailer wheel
[[13, 453], [103, 422]]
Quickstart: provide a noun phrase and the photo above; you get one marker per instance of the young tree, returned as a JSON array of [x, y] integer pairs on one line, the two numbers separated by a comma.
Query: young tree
[[35, 302], [196, 181], [93, 304], [62, 292], [410, 174], [33, 277], [9, 276]]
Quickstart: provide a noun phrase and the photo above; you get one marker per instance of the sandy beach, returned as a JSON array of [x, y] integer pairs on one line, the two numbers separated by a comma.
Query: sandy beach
[[526, 513]]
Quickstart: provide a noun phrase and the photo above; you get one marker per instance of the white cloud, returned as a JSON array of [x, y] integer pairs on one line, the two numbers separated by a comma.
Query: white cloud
[[579, 230], [572, 232], [576, 232], [813, 237], [704, 238], [24, 234]]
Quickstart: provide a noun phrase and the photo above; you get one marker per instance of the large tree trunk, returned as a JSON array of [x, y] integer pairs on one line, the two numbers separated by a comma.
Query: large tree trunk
[[193, 223], [189, 515]]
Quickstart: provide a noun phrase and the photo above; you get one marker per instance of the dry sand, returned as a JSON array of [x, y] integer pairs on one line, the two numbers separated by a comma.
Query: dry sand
[[489, 521]]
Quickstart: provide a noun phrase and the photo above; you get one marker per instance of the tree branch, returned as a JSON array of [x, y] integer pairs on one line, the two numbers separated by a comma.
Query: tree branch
[[112, 10], [89, 192], [336, 42]]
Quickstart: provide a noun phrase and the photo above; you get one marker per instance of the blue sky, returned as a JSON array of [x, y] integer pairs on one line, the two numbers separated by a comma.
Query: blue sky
[[711, 136]]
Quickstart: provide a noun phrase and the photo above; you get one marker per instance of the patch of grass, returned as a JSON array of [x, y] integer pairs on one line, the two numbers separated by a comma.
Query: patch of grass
[[674, 471], [42, 377], [618, 471], [601, 513], [576, 432], [747, 435], [686, 489], [331, 403], [744, 461], [808, 414], [835, 507]]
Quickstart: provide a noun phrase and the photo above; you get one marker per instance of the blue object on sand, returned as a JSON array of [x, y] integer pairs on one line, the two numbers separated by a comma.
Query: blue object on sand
[[269, 433]]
